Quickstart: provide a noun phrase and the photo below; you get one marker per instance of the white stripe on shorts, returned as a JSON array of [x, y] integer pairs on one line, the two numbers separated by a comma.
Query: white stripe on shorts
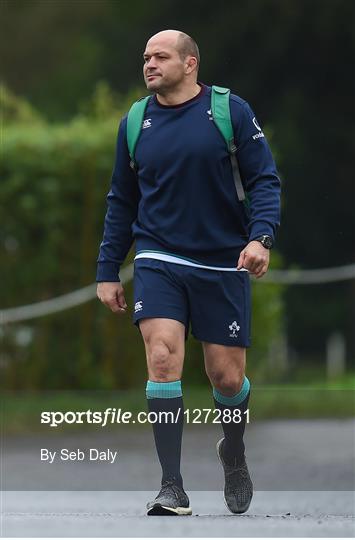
[[160, 256]]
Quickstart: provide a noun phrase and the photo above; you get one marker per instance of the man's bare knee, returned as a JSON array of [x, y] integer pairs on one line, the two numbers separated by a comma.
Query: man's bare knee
[[164, 362], [225, 367], [164, 345], [160, 360], [227, 384]]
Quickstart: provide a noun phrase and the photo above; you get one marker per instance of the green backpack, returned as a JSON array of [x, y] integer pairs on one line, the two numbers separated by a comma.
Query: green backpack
[[222, 118]]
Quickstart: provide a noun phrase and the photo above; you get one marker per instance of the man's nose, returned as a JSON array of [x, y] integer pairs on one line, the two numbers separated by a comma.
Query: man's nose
[[151, 63]]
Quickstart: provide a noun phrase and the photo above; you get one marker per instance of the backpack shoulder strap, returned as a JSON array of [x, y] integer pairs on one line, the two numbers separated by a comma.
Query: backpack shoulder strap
[[221, 115], [134, 125]]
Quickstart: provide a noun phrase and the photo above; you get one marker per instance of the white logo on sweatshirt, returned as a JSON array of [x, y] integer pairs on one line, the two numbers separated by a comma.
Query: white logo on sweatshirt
[[138, 306], [256, 124], [147, 123], [257, 135]]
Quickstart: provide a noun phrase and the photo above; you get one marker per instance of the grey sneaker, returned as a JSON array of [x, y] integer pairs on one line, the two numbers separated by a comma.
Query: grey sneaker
[[238, 487], [170, 501]]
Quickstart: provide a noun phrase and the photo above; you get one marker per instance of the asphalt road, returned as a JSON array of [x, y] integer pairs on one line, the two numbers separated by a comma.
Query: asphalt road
[[303, 472], [115, 514]]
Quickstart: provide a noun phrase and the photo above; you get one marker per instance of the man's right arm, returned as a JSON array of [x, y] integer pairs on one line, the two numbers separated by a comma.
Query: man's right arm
[[122, 207]]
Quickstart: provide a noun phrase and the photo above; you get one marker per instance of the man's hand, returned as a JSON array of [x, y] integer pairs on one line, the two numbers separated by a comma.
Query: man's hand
[[254, 258], [112, 295]]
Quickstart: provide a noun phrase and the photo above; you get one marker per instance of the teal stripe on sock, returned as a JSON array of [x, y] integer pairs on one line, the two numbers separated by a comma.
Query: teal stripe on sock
[[237, 398], [163, 390]]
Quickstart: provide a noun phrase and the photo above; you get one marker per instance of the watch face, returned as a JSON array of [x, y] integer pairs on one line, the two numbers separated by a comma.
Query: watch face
[[266, 241]]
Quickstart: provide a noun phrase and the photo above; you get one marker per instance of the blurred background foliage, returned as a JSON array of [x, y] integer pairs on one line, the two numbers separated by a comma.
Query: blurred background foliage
[[70, 70], [51, 238]]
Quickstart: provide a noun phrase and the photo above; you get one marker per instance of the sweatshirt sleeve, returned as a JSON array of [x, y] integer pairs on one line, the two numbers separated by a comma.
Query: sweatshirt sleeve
[[122, 207], [258, 172]]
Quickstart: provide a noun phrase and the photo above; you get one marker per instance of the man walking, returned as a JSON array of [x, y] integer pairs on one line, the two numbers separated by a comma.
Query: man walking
[[196, 244]]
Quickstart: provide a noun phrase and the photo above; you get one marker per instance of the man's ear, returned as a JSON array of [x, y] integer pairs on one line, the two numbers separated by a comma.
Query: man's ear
[[190, 64]]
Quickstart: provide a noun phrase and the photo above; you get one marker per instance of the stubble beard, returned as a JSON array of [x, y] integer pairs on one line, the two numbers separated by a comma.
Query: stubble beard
[[162, 87]]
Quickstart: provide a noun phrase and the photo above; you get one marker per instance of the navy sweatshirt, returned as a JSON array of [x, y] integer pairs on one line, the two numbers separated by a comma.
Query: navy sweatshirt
[[184, 201]]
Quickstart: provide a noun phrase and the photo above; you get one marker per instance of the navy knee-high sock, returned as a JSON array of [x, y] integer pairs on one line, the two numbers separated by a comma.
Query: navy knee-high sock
[[233, 446], [167, 397]]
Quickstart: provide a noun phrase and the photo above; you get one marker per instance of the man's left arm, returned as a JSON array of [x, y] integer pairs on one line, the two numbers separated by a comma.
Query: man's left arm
[[262, 185]]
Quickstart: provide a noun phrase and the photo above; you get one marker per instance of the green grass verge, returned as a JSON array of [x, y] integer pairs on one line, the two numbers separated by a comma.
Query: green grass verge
[[21, 411]]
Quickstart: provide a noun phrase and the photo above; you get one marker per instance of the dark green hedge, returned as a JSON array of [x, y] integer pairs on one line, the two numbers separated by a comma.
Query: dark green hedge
[[52, 194]]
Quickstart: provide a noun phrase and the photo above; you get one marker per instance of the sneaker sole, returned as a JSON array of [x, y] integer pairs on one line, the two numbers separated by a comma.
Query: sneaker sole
[[218, 445], [159, 510]]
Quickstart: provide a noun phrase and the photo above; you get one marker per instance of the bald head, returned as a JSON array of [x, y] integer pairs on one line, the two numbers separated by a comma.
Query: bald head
[[183, 43], [171, 60]]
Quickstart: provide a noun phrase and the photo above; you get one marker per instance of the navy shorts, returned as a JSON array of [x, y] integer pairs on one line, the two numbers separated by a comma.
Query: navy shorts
[[216, 303]]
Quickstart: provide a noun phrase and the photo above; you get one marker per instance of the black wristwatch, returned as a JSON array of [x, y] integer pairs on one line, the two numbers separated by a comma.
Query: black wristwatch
[[265, 240]]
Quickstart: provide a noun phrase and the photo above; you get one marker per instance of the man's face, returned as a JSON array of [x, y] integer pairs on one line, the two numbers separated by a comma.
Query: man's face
[[163, 68]]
